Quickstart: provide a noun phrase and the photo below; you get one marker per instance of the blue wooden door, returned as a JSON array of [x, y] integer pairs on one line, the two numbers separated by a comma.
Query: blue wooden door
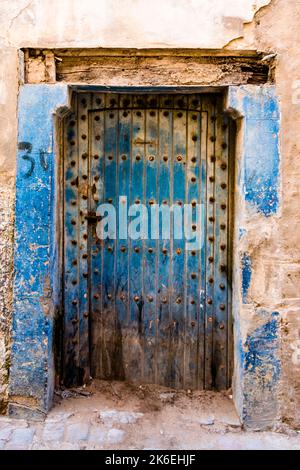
[[143, 304]]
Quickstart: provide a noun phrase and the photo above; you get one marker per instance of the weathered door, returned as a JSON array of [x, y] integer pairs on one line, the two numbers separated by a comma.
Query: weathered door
[[147, 309]]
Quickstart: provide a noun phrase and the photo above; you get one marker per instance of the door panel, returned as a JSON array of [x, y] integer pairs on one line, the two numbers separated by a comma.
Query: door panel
[[145, 308]]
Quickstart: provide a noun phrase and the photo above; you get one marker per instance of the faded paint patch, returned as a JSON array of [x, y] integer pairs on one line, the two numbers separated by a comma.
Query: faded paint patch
[[246, 275], [34, 240], [260, 161], [262, 372]]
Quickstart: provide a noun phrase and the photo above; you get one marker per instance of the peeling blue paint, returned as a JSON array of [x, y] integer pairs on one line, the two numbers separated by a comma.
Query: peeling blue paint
[[246, 276], [260, 171], [262, 371], [34, 241], [262, 352]]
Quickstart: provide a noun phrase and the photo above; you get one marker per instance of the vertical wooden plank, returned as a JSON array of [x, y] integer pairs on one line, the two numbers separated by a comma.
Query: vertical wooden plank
[[178, 252], [193, 378], [96, 182], [122, 252], [209, 109], [149, 245], [71, 287], [221, 253], [203, 254], [111, 350], [135, 352], [84, 104], [165, 364]]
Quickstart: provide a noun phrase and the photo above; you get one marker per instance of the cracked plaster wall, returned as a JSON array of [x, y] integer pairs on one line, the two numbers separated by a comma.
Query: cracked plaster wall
[[271, 243]]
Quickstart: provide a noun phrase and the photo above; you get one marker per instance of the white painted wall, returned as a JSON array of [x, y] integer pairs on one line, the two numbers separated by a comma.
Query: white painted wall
[[124, 23]]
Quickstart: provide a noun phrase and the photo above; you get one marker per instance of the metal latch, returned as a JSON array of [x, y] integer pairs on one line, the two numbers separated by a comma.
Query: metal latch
[[92, 218]]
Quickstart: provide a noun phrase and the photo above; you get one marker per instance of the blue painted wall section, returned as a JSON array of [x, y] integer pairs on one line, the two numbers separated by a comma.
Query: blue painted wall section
[[259, 107], [262, 373], [246, 276], [34, 243]]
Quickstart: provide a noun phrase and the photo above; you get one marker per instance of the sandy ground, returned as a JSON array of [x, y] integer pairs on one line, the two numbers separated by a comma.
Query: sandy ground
[[116, 415]]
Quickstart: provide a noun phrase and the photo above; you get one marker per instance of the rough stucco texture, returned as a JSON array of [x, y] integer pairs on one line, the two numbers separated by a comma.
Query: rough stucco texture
[[270, 239]]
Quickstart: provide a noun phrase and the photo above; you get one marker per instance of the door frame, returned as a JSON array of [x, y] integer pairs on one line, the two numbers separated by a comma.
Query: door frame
[[37, 293]]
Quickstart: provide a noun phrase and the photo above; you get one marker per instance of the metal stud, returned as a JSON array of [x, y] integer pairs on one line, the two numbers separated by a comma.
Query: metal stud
[[194, 138], [96, 157], [166, 113], [97, 137], [193, 302], [210, 259], [211, 239], [211, 179], [178, 300], [110, 249], [222, 286], [194, 117], [194, 203], [96, 296], [165, 251], [123, 157], [164, 300], [193, 179], [209, 301], [74, 302], [138, 158], [165, 158], [150, 298], [194, 276], [211, 280], [123, 249], [122, 297], [222, 307], [86, 315], [222, 226], [223, 247], [211, 219], [151, 158], [193, 253], [109, 296], [193, 159], [136, 298], [152, 113], [85, 275], [212, 158], [223, 166], [151, 202], [221, 326], [223, 207], [213, 138], [224, 145], [179, 115], [194, 227], [84, 156], [223, 267], [223, 185], [74, 242], [150, 250], [74, 321], [179, 158], [136, 249], [211, 199], [178, 251]]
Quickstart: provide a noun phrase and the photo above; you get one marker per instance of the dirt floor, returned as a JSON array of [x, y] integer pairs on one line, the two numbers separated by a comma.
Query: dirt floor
[[117, 415]]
